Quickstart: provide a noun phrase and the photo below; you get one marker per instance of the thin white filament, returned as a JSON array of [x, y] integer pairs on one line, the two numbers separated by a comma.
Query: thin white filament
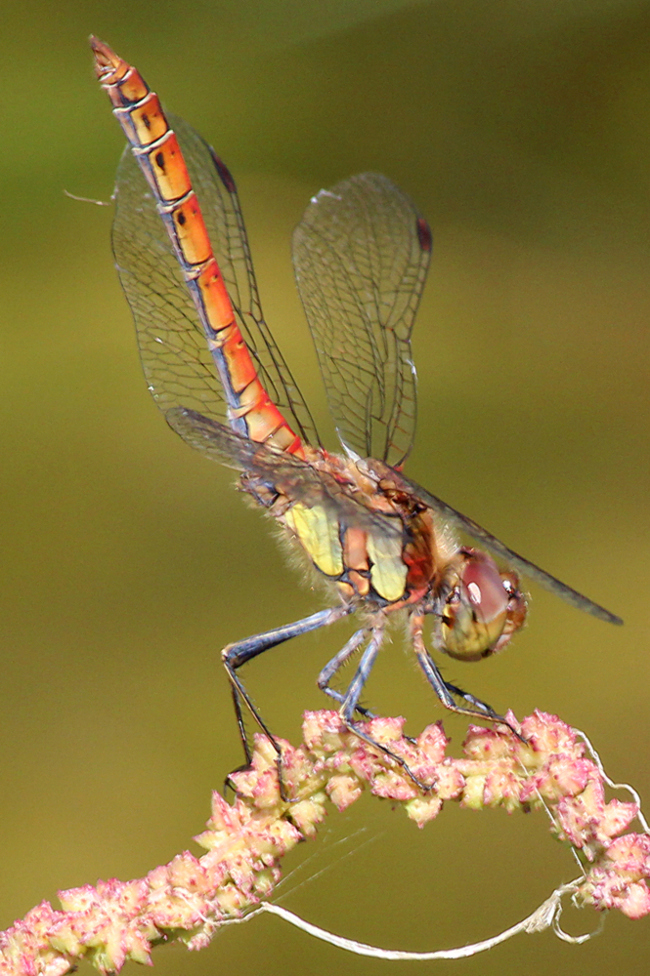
[[545, 916]]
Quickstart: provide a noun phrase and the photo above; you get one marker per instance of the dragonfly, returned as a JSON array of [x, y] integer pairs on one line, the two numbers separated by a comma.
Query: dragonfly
[[361, 254]]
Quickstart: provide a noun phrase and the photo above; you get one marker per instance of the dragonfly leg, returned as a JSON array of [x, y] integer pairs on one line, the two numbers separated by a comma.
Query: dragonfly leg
[[447, 692], [351, 700], [237, 654], [337, 662]]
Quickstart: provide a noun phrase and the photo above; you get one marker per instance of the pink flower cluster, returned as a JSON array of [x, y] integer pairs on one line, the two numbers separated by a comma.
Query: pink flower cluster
[[190, 897]]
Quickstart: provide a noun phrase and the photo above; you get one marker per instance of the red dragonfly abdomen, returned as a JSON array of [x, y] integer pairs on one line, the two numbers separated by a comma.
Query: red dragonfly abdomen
[[139, 112]]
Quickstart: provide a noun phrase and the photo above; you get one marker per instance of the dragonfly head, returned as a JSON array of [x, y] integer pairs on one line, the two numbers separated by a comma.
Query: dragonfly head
[[483, 607]]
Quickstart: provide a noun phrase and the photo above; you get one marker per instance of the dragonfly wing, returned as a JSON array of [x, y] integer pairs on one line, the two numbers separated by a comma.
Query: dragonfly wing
[[361, 253], [519, 563], [177, 363], [286, 473]]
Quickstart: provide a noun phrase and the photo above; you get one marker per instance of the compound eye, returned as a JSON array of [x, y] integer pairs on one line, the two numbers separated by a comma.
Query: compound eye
[[485, 587], [483, 608]]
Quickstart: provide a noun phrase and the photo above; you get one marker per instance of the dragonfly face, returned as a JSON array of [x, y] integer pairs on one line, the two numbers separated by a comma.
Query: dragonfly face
[[361, 254], [483, 608]]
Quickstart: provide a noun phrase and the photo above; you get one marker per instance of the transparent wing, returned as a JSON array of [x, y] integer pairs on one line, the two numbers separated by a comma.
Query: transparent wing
[[292, 476], [177, 364], [498, 548], [361, 254]]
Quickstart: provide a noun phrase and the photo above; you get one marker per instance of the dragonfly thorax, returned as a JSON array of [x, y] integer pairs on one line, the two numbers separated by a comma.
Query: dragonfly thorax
[[359, 528]]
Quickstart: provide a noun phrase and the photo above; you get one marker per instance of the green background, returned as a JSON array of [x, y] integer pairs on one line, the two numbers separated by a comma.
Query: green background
[[520, 128]]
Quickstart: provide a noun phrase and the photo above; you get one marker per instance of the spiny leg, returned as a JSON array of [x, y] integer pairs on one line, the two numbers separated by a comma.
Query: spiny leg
[[351, 699], [237, 654], [444, 689], [337, 662]]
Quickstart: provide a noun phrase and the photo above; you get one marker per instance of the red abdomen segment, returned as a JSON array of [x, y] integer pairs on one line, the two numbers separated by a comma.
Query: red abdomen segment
[[139, 112]]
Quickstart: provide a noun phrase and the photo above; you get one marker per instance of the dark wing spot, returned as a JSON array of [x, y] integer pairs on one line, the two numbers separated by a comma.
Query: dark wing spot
[[224, 173], [424, 234]]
